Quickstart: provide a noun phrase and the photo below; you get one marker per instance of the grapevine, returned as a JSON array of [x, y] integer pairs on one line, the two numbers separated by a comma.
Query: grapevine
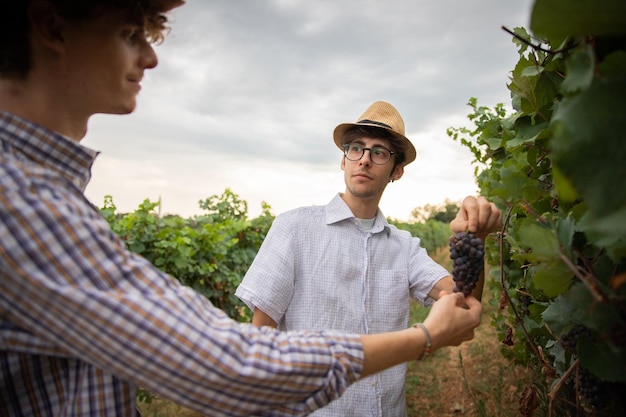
[[562, 253], [569, 340], [467, 253]]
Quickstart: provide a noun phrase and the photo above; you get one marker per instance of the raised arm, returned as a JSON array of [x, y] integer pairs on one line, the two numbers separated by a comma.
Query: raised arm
[[478, 216]]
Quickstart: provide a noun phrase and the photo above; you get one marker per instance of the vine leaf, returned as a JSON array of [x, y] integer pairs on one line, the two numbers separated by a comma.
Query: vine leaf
[[568, 309], [580, 69], [566, 191], [614, 65], [596, 356], [560, 19], [608, 231], [589, 148], [578, 307], [553, 278], [541, 241], [551, 275]]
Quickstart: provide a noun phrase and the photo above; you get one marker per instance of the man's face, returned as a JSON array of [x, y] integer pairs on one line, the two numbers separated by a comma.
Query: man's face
[[106, 60], [363, 178]]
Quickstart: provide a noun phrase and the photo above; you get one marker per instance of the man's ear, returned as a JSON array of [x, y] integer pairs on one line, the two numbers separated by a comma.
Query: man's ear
[[343, 163], [397, 172], [46, 24]]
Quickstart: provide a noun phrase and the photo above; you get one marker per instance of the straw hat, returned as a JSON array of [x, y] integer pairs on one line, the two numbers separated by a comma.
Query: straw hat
[[384, 116]]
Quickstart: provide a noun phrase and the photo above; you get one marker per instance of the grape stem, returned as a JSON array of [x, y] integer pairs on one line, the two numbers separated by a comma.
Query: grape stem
[[557, 387], [505, 291]]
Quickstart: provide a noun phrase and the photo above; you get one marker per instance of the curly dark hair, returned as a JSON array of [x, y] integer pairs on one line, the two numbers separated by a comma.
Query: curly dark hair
[[15, 53]]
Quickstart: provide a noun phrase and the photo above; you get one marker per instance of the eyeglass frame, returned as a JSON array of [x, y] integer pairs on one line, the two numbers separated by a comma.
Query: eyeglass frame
[[363, 149]]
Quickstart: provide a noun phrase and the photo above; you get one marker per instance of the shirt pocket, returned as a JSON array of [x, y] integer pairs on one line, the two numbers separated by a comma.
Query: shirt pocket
[[388, 301]]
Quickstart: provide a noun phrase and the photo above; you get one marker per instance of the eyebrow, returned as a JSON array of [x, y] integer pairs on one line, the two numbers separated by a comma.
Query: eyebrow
[[375, 144]]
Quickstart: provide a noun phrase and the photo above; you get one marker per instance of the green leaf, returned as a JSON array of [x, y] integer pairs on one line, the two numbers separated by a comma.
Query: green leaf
[[580, 68], [552, 278], [608, 231], [532, 71], [567, 193], [493, 142], [540, 240], [560, 19], [527, 133], [523, 34], [589, 145], [614, 65], [602, 360], [568, 309], [565, 232]]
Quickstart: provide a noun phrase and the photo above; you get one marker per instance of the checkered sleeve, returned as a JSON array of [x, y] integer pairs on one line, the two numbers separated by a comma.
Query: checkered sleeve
[[70, 288]]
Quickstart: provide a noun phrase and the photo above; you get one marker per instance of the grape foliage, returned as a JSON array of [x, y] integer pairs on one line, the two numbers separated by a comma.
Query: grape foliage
[[467, 254], [562, 242]]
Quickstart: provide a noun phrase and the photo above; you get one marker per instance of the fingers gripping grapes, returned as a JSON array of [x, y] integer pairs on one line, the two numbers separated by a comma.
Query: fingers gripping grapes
[[467, 254]]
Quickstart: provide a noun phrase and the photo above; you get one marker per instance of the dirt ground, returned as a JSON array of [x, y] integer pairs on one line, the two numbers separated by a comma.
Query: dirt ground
[[472, 380]]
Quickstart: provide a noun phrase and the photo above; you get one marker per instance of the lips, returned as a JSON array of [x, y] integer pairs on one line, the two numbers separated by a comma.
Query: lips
[[361, 175], [135, 79], [136, 82]]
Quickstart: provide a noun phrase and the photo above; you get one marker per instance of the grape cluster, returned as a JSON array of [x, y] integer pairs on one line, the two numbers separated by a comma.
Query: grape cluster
[[592, 390], [467, 253], [569, 339]]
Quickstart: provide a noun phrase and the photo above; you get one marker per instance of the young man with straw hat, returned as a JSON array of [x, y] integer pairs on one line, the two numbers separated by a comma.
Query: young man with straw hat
[[83, 321], [342, 266]]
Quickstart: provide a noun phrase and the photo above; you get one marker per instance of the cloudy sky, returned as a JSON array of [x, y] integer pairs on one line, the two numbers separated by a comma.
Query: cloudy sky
[[247, 93]]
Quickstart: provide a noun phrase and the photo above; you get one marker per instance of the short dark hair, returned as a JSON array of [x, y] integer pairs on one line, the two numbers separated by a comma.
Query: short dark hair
[[15, 52], [358, 132]]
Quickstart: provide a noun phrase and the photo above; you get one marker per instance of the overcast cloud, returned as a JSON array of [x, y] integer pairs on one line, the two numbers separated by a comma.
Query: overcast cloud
[[247, 93]]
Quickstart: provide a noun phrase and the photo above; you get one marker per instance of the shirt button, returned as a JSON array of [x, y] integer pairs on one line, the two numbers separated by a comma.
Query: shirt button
[[373, 382]]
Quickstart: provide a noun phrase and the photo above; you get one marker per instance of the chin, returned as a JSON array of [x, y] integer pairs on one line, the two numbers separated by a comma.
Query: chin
[[124, 109]]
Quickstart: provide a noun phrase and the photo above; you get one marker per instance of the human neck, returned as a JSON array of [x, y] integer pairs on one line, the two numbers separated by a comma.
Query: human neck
[[30, 100], [362, 208]]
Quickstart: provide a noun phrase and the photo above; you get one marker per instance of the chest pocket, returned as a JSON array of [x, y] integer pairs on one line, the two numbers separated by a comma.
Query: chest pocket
[[387, 301]]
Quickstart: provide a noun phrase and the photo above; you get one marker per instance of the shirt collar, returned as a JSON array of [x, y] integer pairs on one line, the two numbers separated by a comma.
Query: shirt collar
[[337, 210], [48, 148]]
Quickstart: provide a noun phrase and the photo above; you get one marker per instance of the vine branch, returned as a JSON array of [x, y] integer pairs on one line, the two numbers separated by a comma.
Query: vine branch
[[509, 301], [539, 47], [585, 278]]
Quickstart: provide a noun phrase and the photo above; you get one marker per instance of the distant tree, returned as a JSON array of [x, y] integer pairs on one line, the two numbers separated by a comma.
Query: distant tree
[[444, 212]]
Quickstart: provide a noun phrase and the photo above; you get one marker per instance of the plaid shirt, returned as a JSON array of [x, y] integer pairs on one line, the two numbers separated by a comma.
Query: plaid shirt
[[319, 269], [83, 320]]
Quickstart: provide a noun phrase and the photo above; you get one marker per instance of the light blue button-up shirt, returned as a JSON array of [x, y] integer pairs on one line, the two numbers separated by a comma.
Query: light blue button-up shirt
[[319, 269]]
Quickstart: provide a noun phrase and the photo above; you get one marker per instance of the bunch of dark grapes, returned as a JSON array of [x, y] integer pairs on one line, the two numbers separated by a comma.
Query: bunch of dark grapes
[[569, 340], [592, 390], [467, 253]]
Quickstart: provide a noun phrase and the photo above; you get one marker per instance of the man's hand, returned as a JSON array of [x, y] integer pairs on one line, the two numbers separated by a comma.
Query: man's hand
[[452, 319], [478, 216]]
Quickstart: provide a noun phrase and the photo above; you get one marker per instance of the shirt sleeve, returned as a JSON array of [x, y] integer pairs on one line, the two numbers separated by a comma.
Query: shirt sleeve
[[269, 282], [70, 287], [424, 273]]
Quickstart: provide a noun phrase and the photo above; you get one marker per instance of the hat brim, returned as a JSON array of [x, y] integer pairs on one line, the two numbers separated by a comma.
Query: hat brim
[[409, 154]]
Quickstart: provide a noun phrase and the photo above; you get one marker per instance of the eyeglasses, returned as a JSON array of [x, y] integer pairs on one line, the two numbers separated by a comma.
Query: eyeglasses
[[379, 155]]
